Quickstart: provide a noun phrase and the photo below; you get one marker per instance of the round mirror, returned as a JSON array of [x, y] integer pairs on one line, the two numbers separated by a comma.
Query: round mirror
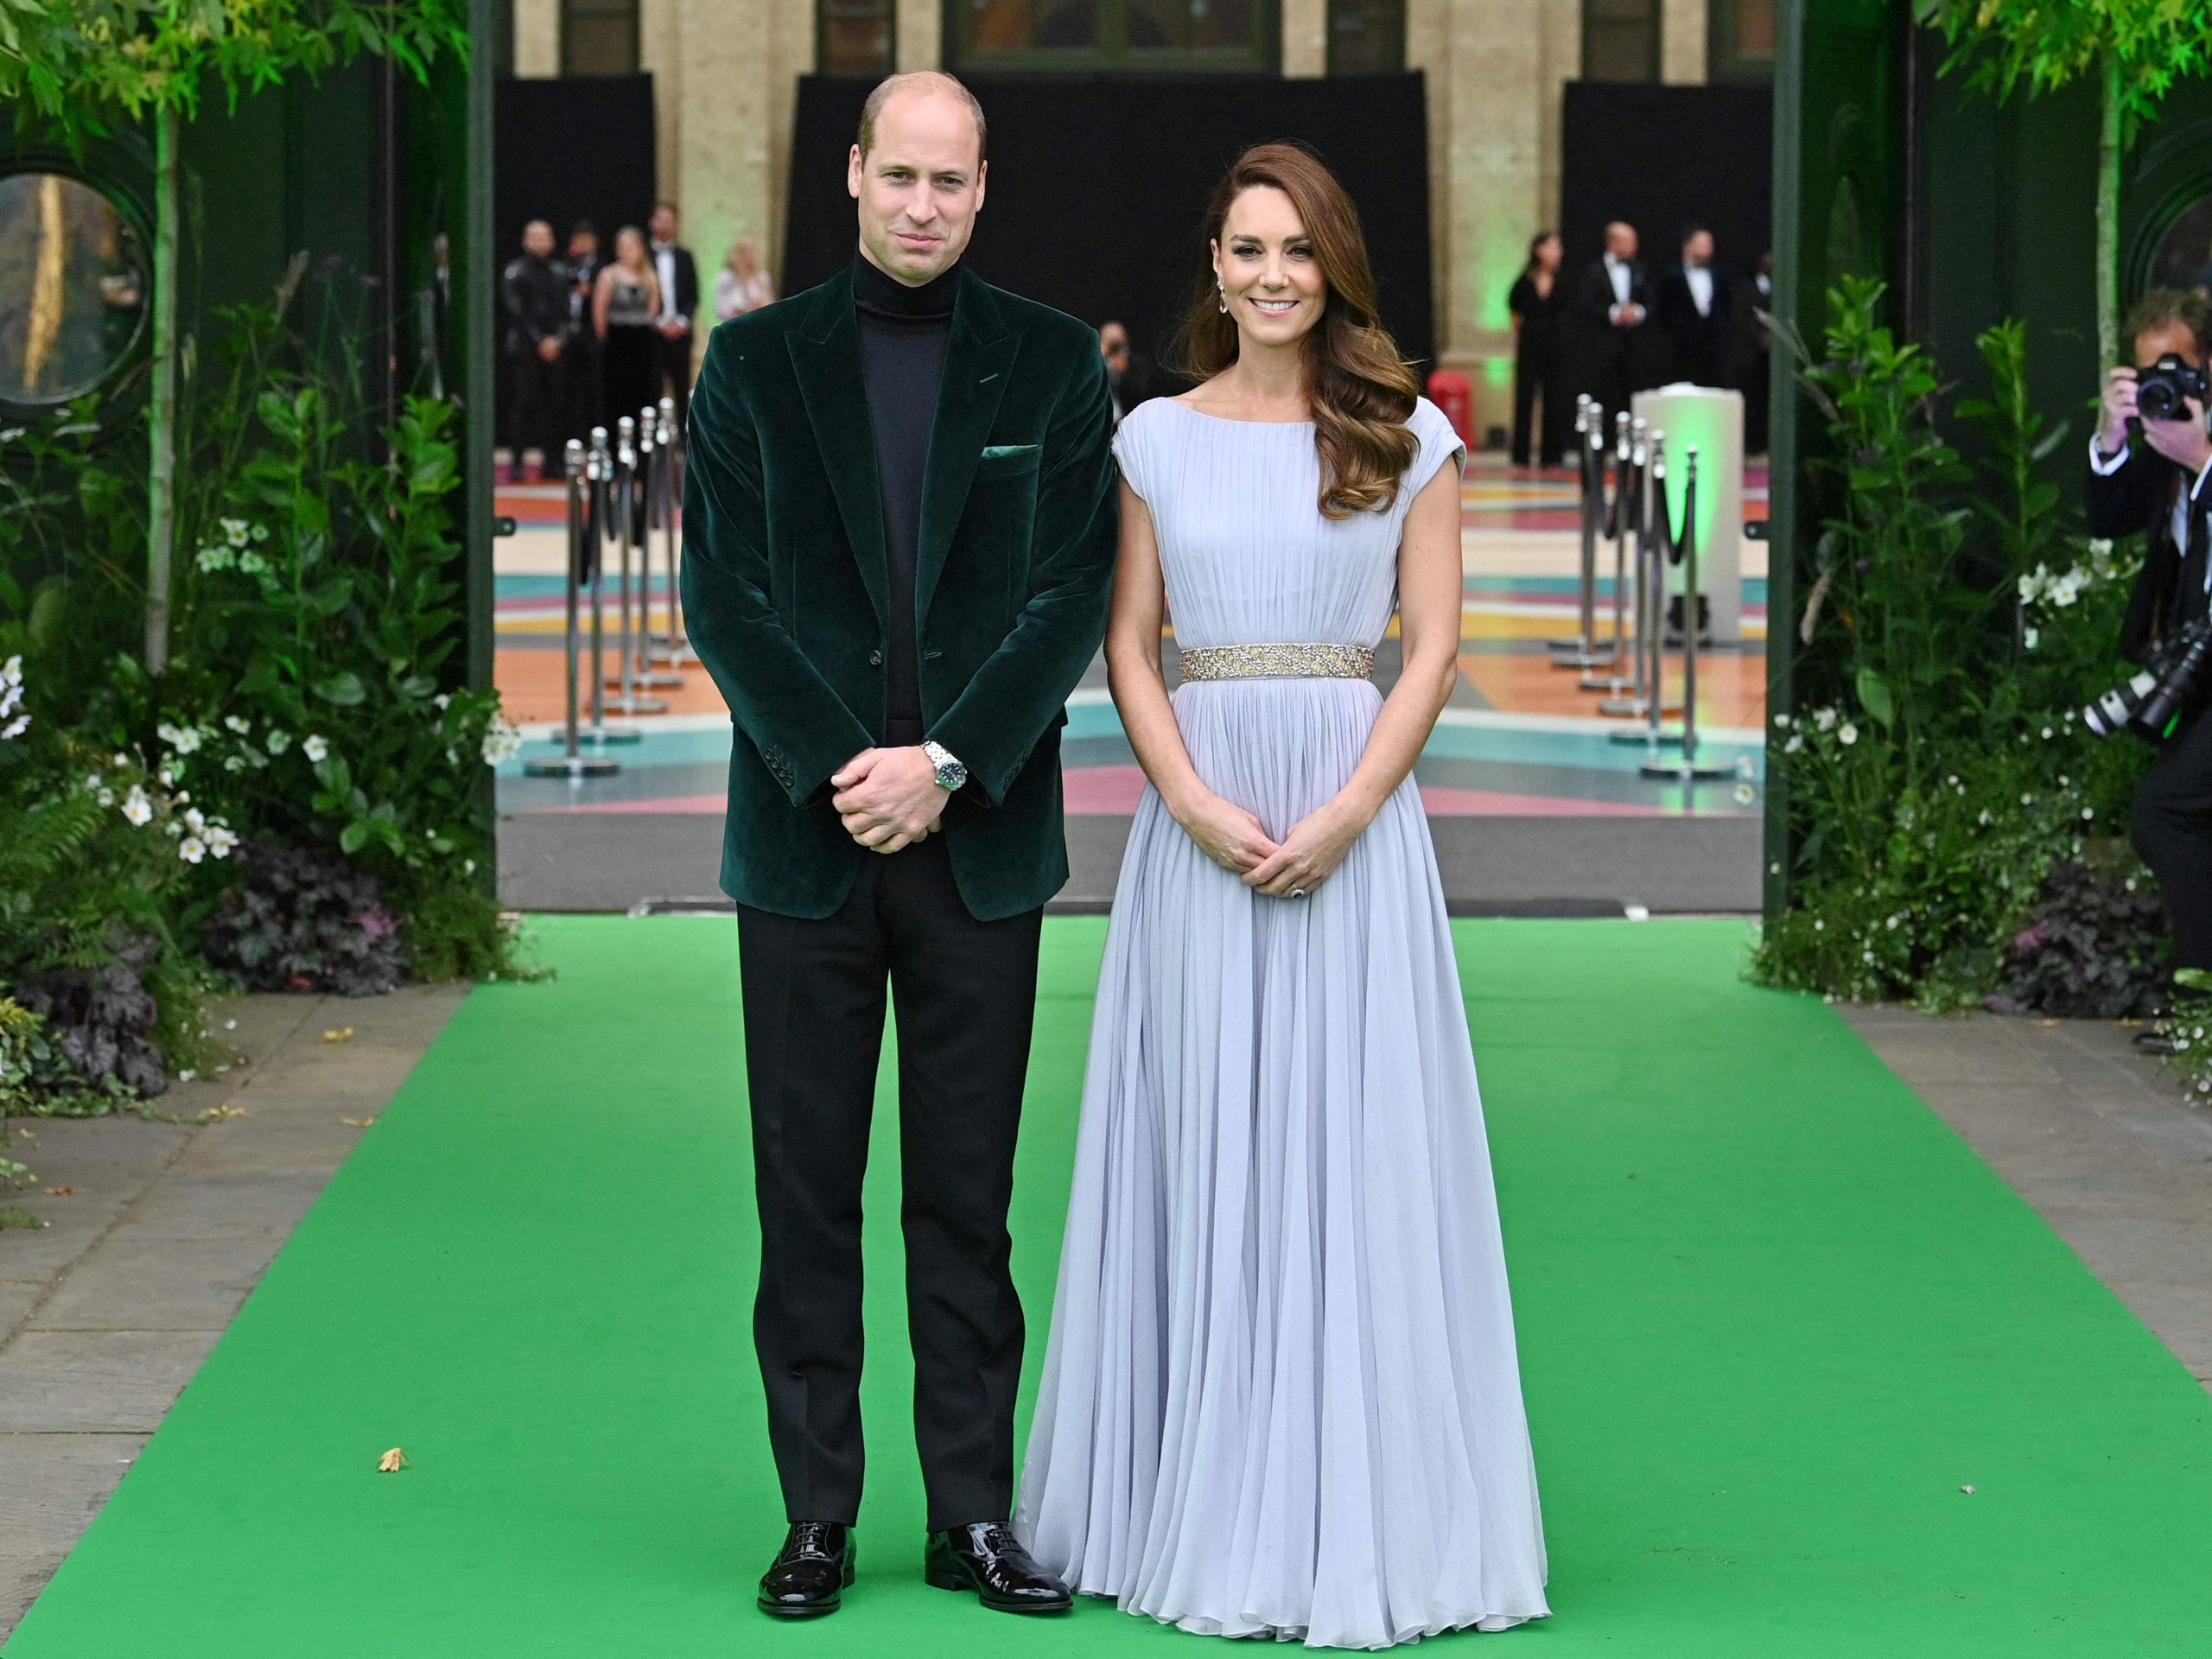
[[73, 288], [2183, 256]]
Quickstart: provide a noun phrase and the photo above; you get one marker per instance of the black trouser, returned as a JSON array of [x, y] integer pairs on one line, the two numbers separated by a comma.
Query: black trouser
[[2173, 832], [672, 372], [538, 403], [966, 996], [1531, 376]]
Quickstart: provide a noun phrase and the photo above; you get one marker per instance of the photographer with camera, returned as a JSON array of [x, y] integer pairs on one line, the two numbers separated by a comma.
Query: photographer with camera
[[2148, 464]]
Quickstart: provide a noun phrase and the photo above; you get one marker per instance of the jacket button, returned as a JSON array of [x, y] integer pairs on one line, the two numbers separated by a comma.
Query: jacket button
[[875, 659]]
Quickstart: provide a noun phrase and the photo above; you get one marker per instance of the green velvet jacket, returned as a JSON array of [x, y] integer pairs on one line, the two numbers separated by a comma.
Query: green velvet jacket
[[785, 583]]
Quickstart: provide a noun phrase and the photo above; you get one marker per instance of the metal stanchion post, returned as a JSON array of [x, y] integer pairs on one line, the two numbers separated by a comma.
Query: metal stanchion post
[[623, 505], [1655, 552], [1687, 769], [1583, 650], [676, 648], [1629, 700], [571, 763], [599, 484], [1624, 502], [652, 463]]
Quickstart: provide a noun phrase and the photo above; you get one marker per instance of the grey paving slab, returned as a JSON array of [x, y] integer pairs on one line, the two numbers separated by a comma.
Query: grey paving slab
[[56, 1485], [157, 1284], [94, 1382], [222, 1204]]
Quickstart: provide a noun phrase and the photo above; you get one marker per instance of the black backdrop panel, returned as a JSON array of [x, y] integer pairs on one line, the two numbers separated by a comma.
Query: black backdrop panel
[[1665, 158], [571, 147], [1097, 186]]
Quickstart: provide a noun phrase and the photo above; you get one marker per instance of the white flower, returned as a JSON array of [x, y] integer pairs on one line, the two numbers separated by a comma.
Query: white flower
[[241, 727], [2027, 800], [165, 776], [107, 798], [1866, 956], [251, 563], [168, 734], [1825, 719], [2046, 732], [235, 532], [186, 1076], [502, 741], [220, 840], [120, 760], [1820, 926], [183, 738], [1985, 816], [279, 742], [191, 849], [136, 808], [1746, 794], [193, 821], [261, 533], [216, 558], [1797, 742], [468, 868], [442, 700], [1847, 735], [1781, 719], [1892, 924], [315, 749], [2028, 637], [2089, 812]]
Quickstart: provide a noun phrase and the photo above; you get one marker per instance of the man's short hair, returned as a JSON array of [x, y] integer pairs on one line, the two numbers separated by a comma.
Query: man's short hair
[[917, 80], [2162, 307]]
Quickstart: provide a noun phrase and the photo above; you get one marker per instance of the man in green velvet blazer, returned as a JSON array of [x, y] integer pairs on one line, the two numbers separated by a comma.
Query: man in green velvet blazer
[[900, 522]]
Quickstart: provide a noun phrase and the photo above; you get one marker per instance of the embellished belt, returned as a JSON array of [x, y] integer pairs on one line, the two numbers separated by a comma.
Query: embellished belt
[[1279, 662]]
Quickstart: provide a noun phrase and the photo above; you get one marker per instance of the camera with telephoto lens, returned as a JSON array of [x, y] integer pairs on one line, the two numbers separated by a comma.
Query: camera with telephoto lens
[[2169, 683], [2162, 390]]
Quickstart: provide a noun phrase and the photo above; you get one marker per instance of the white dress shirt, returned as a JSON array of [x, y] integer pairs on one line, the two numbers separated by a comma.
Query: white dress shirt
[[1700, 282], [664, 262], [2104, 466], [1618, 272]]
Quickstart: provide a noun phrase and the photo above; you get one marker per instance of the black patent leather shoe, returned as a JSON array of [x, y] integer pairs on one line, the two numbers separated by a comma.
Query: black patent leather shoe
[[812, 1572], [988, 1560]]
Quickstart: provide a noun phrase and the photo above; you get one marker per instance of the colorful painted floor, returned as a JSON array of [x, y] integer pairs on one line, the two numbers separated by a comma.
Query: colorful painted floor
[[1522, 738]]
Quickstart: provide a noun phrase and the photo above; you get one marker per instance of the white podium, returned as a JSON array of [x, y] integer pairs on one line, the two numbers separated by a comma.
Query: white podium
[[1712, 420]]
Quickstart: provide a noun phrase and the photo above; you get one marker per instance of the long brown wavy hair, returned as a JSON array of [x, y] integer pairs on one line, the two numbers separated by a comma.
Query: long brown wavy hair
[[1361, 390]]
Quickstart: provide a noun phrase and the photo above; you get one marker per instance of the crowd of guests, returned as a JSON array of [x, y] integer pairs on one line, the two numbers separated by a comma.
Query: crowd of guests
[[590, 335], [1618, 327]]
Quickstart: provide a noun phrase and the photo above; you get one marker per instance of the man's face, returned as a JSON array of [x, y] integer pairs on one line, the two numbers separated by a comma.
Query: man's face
[[664, 224], [919, 186], [1698, 250], [1114, 344], [2170, 338], [584, 243], [538, 239], [1620, 241]]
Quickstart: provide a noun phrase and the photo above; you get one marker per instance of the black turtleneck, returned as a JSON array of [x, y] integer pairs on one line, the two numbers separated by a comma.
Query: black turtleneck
[[903, 332]]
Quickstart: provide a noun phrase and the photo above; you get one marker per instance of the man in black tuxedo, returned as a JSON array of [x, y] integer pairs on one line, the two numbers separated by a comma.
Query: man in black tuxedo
[[1128, 376], [534, 297], [1696, 310], [2150, 475], [1612, 307], [587, 403], [899, 523], [679, 304]]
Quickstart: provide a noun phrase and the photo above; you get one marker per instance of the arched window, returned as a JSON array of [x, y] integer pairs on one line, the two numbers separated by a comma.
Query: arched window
[[853, 37], [1367, 37], [1226, 35], [1740, 41], [1620, 39], [599, 37]]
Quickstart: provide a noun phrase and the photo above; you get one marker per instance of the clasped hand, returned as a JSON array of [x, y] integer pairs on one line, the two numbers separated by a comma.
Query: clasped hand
[[888, 799], [1305, 858]]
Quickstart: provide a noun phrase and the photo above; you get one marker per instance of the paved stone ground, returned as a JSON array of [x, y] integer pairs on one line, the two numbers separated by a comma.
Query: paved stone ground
[[2096, 1137], [107, 1311]]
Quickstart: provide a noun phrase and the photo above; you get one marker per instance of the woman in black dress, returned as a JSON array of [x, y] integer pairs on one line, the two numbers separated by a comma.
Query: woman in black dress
[[623, 306], [1539, 353]]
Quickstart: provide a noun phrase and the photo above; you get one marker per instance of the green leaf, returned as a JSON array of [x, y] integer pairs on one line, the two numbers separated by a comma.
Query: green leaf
[[345, 689], [353, 836], [1875, 697]]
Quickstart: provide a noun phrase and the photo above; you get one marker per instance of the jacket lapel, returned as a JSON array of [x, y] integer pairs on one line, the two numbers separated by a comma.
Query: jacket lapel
[[979, 357], [826, 356]]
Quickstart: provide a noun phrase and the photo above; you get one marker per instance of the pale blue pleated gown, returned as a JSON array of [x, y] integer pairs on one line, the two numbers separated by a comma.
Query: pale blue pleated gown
[[1280, 1396]]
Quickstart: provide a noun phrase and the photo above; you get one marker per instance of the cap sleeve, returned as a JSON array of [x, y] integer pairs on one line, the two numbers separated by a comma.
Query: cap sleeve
[[1439, 442], [1129, 452]]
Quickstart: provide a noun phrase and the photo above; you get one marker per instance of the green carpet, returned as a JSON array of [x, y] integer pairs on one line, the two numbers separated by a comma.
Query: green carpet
[[1774, 1316]]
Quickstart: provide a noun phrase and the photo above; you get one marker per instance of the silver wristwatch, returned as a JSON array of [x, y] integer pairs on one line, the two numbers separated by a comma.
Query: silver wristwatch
[[950, 774]]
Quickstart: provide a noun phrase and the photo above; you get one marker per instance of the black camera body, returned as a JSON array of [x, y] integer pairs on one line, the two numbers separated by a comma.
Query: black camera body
[[2162, 390], [2173, 682]]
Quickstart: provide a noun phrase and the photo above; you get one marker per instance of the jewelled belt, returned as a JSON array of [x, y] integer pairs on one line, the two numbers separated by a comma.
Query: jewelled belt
[[1279, 662]]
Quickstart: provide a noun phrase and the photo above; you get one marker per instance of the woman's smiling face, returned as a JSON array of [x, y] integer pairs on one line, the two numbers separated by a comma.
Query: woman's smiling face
[[1266, 268]]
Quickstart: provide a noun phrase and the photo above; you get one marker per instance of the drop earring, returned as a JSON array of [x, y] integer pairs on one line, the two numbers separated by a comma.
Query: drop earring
[[1224, 292]]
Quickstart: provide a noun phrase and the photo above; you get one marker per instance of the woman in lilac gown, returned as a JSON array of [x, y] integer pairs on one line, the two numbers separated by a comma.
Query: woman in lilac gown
[[1281, 1396]]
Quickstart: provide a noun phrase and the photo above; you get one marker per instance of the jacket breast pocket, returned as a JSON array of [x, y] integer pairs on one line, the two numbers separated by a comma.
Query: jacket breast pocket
[[1006, 461]]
